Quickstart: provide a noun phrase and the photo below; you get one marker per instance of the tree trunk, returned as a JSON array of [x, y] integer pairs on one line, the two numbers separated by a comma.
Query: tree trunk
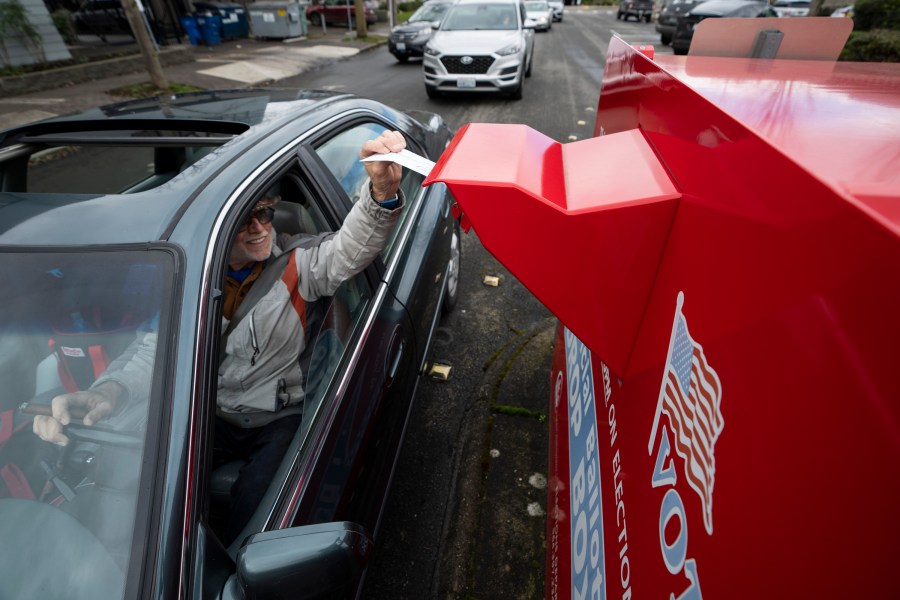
[[362, 28], [148, 48]]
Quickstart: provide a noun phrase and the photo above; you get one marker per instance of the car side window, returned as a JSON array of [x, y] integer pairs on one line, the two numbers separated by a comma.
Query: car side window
[[333, 327], [341, 155], [332, 320]]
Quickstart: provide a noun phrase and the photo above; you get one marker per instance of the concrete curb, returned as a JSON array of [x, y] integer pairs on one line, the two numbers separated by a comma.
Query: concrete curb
[[40, 81], [469, 564], [67, 76]]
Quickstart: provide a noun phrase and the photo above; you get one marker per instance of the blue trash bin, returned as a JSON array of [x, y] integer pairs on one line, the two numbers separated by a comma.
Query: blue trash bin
[[189, 23], [234, 17], [210, 28]]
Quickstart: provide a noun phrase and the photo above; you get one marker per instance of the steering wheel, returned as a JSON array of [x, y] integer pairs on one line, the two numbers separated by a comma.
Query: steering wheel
[[104, 435], [75, 462], [99, 433]]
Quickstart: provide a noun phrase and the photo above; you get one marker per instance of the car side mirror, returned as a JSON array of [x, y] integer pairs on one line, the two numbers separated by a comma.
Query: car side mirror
[[529, 24], [313, 561], [435, 24]]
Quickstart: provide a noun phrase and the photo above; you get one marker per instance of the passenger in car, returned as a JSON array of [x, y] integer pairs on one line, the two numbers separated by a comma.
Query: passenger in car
[[260, 386]]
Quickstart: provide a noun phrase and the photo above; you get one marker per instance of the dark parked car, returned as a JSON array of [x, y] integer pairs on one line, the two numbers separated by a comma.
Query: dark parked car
[[334, 12], [117, 223], [106, 17], [639, 9], [684, 30], [668, 18], [101, 17], [408, 39]]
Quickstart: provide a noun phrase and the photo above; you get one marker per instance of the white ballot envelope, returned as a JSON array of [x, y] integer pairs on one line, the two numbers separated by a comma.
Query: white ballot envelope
[[405, 158]]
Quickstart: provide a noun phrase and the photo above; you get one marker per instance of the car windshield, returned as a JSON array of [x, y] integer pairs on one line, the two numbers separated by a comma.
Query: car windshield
[[429, 12], [474, 17], [536, 6], [70, 515]]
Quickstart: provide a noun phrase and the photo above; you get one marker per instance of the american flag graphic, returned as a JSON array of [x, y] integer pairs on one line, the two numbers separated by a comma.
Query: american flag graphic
[[691, 397]]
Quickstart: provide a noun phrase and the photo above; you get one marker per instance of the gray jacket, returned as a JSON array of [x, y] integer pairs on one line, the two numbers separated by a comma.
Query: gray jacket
[[260, 378]]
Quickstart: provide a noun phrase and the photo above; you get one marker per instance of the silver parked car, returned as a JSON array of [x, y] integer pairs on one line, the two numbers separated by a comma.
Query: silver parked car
[[558, 9], [481, 46], [541, 13], [792, 8]]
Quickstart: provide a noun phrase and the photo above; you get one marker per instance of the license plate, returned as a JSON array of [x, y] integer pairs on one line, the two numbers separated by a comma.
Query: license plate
[[401, 47], [465, 82]]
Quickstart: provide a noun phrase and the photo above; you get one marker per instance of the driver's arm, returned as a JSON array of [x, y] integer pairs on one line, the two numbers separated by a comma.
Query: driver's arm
[[127, 380], [99, 402], [366, 229]]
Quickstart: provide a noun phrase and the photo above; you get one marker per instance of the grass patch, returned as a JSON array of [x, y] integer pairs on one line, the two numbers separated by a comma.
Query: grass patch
[[518, 411], [148, 90]]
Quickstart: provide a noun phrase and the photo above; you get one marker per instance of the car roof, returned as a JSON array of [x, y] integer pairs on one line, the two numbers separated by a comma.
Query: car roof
[[240, 124]]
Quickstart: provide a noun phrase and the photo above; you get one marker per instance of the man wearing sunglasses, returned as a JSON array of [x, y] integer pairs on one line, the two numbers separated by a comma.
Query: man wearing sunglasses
[[260, 388]]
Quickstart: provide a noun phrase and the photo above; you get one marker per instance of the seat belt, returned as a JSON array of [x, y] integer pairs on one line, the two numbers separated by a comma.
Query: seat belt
[[270, 273]]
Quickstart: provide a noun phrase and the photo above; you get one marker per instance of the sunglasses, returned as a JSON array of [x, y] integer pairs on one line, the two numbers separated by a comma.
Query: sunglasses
[[263, 215]]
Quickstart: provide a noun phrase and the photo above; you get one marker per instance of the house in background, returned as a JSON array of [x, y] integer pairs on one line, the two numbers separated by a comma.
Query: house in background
[[18, 49]]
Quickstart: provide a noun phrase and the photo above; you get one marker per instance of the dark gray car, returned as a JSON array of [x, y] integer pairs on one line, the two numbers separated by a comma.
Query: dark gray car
[[408, 39], [639, 9], [116, 227], [684, 30], [668, 18]]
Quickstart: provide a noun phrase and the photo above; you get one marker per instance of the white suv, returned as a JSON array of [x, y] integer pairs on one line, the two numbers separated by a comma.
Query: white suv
[[481, 46]]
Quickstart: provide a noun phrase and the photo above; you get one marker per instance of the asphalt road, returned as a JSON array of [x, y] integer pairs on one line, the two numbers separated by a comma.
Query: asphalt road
[[560, 96], [466, 516]]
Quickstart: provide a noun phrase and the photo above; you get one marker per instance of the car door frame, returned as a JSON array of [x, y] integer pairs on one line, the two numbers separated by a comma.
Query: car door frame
[[387, 308], [425, 200], [284, 510]]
